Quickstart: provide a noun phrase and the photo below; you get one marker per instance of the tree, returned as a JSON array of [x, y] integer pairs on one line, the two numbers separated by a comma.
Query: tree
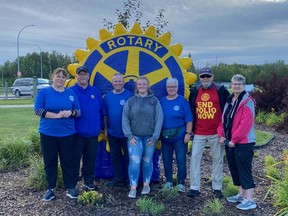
[[131, 13]]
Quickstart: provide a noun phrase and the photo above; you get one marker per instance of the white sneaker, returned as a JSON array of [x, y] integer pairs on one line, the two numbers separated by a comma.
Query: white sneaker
[[247, 205], [235, 199], [145, 190], [132, 193]]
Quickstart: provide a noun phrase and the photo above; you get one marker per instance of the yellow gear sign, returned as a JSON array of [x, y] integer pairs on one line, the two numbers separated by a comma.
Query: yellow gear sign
[[134, 54]]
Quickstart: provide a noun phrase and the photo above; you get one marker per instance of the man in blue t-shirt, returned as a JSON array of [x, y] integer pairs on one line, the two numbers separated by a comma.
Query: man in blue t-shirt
[[113, 104], [88, 127]]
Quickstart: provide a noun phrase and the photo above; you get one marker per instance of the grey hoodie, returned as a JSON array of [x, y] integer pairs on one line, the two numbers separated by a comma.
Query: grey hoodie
[[142, 116]]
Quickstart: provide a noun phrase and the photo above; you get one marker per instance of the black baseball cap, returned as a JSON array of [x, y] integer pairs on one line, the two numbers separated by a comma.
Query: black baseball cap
[[82, 68]]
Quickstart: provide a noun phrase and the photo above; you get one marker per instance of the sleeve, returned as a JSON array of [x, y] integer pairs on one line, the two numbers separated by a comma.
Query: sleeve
[[76, 105], [159, 118], [246, 122], [220, 128], [104, 106], [187, 111], [39, 105], [126, 121]]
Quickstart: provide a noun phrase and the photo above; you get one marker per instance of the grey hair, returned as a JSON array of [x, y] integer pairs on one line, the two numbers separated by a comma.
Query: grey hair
[[239, 78], [172, 80]]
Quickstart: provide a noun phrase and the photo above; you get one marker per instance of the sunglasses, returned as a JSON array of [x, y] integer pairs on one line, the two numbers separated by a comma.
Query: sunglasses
[[205, 76]]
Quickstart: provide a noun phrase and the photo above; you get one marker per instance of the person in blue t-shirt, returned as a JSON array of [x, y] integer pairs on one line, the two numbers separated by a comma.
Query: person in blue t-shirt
[[88, 127], [57, 108], [113, 103], [176, 133]]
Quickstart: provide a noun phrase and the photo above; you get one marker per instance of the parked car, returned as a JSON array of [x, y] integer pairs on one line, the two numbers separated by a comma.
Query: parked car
[[24, 86]]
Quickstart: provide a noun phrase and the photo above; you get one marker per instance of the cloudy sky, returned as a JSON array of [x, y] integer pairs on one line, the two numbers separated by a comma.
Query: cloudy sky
[[213, 31]]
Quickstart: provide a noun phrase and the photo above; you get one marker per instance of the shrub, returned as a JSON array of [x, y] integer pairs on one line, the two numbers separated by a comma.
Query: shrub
[[90, 198], [149, 206], [14, 153], [230, 189], [272, 95], [35, 140], [37, 177], [169, 194], [279, 187], [213, 208]]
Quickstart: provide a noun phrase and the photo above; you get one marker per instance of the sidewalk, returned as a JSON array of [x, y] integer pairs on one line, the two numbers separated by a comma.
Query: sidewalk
[[16, 106]]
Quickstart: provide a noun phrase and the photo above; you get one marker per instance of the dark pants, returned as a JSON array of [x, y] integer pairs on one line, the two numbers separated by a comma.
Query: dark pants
[[52, 147], [85, 147], [116, 145], [240, 164], [168, 147]]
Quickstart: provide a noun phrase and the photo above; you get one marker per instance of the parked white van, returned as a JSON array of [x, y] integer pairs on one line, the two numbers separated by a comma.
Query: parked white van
[[24, 86]]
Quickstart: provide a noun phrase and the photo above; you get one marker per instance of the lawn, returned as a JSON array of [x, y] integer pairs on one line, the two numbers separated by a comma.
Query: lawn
[[17, 121], [17, 102]]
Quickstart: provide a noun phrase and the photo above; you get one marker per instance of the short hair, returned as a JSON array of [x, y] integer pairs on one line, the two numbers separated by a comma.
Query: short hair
[[118, 74], [239, 78], [59, 70], [148, 83], [172, 80]]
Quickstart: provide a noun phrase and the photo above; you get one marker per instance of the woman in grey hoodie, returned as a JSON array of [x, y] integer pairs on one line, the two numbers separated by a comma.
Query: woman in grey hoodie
[[142, 121]]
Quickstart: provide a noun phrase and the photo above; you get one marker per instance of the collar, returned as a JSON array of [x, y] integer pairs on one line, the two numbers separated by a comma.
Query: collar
[[210, 87]]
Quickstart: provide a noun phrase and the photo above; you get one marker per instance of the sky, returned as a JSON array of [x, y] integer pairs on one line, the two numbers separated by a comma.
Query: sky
[[212, 31]]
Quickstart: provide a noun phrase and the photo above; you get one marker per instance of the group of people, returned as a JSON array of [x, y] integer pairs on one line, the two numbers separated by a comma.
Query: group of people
[[72, 118]]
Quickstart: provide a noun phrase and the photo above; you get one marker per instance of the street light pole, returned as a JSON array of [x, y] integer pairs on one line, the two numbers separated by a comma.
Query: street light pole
[[18, 60], [40, 59]]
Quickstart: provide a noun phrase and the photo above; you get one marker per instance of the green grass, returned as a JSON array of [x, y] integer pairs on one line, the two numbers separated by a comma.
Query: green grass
[[17, 121], [262, 137], [17, 102]]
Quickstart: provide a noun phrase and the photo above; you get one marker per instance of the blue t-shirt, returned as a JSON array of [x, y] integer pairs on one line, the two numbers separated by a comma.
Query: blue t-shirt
[[113, 107], [177, 112], [53, 101], [90, 100]]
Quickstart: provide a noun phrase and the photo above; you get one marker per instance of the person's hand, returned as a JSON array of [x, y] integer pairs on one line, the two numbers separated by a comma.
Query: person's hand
[[221, 140], [133, 141], [61, 114], [150, 142], [187, 138], [67, 113], [231, 144]]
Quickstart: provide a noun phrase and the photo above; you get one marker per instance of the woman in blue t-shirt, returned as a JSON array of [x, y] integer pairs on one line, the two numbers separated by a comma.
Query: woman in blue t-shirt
[[57, 108], [176, 133]]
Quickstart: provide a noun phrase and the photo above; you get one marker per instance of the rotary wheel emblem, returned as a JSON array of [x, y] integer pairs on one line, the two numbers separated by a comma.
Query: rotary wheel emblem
[[134, 53]]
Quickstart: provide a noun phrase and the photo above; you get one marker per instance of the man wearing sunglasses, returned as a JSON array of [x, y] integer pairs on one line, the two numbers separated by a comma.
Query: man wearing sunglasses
[[207, 102]]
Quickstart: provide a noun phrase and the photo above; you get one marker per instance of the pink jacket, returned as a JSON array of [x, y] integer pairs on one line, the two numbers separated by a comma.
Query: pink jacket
[[243, 123]]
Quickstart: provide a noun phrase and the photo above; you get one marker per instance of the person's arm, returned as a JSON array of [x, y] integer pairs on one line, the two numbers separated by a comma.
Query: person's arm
[[105, 125], [159, 118], [245, 122], [126, 122], [188, 132]]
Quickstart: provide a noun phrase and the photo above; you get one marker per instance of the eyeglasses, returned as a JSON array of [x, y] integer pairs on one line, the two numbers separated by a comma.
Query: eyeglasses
[[171, 87], [205, 76], [237, 84]]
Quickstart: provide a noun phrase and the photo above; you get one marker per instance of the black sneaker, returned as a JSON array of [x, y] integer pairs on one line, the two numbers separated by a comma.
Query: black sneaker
[[72, 193], [115, 183], [89, 186], [49, 195], [193, 193], [218, 194]]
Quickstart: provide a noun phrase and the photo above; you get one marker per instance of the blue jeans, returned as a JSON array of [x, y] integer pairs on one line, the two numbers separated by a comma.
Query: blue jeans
[[168, 147], [141, 153]]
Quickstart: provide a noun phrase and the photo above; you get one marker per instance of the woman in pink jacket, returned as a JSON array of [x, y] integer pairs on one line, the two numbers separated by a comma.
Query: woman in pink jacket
[[236, 131]]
